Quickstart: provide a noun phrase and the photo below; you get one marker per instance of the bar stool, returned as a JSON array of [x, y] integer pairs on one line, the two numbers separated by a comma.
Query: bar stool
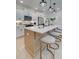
[[58, 30], [57, 34], [48, 40]]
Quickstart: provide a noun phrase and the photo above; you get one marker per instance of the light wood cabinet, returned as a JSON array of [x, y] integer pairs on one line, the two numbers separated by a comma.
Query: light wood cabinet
[[32, 43]]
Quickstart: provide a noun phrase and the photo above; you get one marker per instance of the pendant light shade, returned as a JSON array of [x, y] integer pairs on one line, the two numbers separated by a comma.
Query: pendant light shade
[[43, 3], [54, 6], [54, 3], [50, 7]]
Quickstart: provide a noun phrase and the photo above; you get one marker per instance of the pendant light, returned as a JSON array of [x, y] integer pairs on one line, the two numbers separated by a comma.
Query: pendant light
[[43, 3], [50, 7], [54, 5]]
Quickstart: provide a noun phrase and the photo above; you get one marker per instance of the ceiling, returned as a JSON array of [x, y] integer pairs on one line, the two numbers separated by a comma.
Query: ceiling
[[36, 4]]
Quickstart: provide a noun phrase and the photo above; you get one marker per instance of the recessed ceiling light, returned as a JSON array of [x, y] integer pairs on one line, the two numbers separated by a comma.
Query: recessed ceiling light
[[21, 1]]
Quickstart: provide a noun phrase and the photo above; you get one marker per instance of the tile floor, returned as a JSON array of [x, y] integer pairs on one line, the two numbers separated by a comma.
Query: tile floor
[[21, 53]]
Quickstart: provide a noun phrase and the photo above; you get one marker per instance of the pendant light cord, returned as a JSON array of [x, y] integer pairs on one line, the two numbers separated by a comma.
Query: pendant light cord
[[50, 2], [42, 0]]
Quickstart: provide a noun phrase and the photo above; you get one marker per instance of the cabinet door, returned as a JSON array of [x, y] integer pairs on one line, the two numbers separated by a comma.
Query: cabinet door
[[29, 36], [19, 14], [19, 30]]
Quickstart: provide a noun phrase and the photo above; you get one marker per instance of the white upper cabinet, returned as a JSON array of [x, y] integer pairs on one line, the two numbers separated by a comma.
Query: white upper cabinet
[[19, 14]]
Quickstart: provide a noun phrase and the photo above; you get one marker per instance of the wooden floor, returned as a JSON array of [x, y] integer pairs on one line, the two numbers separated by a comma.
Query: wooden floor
[[21, 53]]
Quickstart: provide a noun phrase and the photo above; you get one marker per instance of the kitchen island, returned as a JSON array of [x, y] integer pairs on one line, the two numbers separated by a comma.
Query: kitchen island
[[32, 36]]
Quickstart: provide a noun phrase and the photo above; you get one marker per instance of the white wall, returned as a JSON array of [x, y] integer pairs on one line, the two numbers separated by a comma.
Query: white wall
[[58, 20]]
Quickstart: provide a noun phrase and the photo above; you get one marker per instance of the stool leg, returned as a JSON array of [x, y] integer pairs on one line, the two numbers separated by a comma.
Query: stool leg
[[40, 50], [50, 51]]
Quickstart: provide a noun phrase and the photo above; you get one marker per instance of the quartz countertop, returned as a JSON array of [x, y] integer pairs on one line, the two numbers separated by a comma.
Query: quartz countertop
[[41, 30]]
